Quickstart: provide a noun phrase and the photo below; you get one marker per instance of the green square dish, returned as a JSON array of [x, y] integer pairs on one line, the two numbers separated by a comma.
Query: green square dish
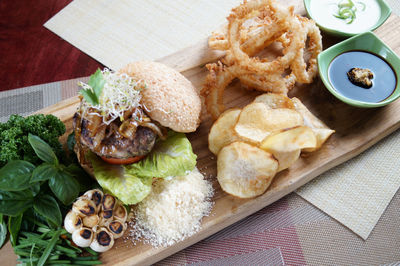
[[384, 15], [366, 42]]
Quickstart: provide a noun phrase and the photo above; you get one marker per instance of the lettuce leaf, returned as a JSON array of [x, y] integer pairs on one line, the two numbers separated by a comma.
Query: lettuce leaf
[[116, 180], [132, 183], [169, 158]]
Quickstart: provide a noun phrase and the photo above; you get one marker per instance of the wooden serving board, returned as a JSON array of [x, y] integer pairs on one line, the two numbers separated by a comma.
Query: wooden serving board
[[356, 130]]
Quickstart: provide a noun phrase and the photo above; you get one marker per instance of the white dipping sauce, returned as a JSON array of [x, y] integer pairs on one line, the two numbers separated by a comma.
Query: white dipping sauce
[[323, 12]]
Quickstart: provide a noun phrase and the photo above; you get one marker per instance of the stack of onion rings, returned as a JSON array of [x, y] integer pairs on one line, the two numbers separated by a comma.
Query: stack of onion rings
[[252, 27]]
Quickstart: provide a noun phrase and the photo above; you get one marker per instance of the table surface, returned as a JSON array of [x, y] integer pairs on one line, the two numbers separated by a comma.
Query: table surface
[[291, 231]]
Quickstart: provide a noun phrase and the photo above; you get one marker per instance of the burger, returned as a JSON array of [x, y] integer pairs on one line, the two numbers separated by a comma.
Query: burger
[[128, 127]]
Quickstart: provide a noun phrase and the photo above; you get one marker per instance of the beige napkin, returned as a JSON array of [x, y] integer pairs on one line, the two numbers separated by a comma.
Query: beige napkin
[[116, 32], [357, 192]]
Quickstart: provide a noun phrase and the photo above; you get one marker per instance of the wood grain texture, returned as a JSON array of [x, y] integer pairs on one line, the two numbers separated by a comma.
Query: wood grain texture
[[30, 53], [356, 130]]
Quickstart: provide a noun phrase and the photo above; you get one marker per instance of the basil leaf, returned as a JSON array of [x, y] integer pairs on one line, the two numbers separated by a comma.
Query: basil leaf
[[3, 230], [28, 221], [42, 149], [13, 203], [89, 96], [85, 181], [64, 186], [96, 84], [97, 81], [15, 175], [14, 224], [35, 189], [48, 207], [71, 141], [43, 172]]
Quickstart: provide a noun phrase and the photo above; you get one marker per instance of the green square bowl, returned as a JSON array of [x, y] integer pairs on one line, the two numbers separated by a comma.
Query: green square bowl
[[367, 42], [385, 13]]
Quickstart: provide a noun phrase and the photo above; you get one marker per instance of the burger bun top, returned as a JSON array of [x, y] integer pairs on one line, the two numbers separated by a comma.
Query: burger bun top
[[168, 98]]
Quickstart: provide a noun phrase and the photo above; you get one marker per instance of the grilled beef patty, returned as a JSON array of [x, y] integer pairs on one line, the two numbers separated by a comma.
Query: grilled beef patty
[[112, 144]]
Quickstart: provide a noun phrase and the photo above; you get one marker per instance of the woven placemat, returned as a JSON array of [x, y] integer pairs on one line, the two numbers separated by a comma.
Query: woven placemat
[[288, 232], [357, 192]]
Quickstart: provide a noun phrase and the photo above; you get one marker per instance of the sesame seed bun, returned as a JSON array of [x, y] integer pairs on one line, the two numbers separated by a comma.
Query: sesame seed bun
[[169, 98]]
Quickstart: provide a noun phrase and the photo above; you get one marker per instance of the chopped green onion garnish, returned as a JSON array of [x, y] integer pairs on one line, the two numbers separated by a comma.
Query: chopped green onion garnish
[[347, 10]]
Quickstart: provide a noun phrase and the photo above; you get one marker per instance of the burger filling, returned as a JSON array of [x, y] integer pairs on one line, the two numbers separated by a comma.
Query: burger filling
[[114, 125]]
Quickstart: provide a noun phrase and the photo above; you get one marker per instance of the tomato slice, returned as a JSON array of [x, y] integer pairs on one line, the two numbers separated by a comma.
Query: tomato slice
[[122, 161]]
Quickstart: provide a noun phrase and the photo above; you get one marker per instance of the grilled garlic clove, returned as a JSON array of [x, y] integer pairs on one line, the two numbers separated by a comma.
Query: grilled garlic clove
[[91, 220], [72, 222], [102, 241], [120, 213], [83, 237], [108, 202], [84, 206], [96, 195], [116, 228], [105, 217]]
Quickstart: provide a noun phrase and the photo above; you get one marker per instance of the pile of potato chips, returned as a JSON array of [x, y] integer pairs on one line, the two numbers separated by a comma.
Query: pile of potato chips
[[263, 138]]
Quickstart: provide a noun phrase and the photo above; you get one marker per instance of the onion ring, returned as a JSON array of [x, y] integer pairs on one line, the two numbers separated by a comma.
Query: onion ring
[[283, 16], [303, 73], [219, 77], [274, 83], [253, 27]]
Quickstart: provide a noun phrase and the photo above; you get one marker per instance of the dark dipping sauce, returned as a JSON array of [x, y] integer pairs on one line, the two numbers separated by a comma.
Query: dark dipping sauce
[[383, 83]]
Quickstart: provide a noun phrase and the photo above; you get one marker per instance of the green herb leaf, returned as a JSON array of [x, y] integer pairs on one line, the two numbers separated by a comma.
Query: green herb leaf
[[43, 172], [71, 141], [13, 203], [64, 186], [15, 175], [48, 207], [28, 220], [35, 189], [96, 82], [3, 230], [14, 224], [49, 248], [89, 96], [42, 149], [85, 181]]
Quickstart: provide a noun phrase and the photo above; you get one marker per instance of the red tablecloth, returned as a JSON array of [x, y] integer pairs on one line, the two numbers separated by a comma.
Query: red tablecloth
[[30, 54]]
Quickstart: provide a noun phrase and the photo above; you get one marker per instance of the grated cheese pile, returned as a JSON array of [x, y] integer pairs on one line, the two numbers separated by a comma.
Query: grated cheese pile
[[173, 210]]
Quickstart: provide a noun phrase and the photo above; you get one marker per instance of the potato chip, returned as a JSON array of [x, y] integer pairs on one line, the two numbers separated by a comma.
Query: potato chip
[[257, 121], [322, 134], [286, 158], [286, 145], [322, 131], [274, 100], [221, 133], [244, 170]]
